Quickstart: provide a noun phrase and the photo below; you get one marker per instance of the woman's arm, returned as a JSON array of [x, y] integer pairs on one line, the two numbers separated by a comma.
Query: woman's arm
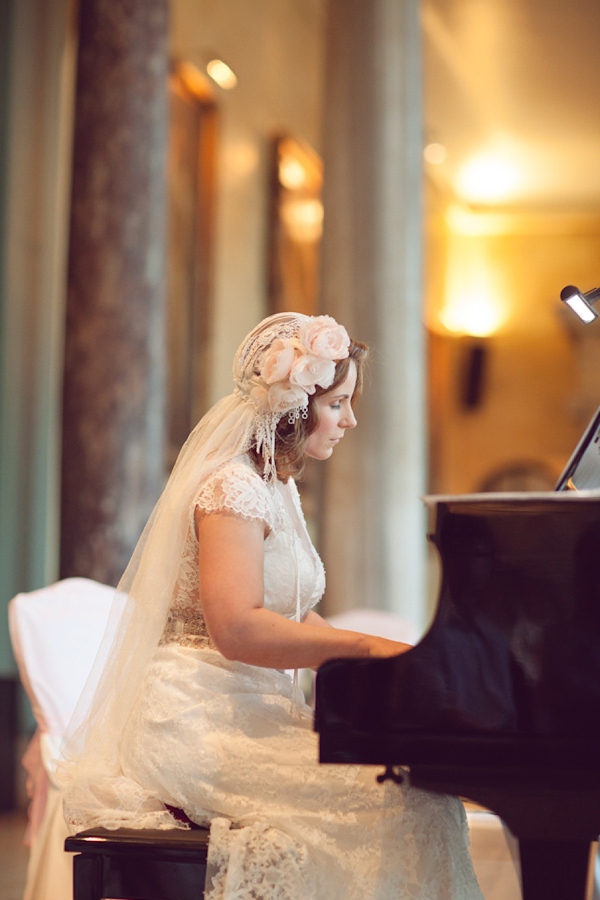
[[231, 589], [313, 618]]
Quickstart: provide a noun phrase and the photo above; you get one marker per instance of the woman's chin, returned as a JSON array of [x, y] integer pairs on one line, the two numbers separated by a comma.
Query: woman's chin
[[320, 454]]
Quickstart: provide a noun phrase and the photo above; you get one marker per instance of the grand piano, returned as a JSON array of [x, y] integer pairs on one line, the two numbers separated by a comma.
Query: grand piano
[[499, 702]]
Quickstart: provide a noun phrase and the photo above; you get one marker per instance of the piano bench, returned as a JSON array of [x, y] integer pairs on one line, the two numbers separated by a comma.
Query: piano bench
[[149, 864]]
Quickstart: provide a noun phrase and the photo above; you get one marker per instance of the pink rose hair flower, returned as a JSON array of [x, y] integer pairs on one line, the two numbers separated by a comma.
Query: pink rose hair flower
[[323, 337], [310, 371], [291, 368], [277, 360], [284, 396]]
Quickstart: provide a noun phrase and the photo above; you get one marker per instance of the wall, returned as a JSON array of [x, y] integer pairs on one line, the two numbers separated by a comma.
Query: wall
[[540, 385]]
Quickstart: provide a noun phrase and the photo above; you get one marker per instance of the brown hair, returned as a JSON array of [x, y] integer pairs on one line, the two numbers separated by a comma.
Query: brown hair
[[290, 439]]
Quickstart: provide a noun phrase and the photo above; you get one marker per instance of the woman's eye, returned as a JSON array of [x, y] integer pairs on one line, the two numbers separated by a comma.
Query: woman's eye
[[335, 405]]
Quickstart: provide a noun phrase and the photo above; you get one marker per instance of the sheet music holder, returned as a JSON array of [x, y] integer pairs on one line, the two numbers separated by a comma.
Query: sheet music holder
[[582, 471]]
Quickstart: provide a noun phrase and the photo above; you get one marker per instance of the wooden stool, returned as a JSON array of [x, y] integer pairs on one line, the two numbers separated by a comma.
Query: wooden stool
[[141, 864]]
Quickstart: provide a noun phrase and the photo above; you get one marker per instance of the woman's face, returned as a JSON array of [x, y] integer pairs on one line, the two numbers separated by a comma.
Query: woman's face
[[335, 414]]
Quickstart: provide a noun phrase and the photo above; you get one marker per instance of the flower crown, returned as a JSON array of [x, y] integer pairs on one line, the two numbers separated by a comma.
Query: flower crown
[[291, 368]]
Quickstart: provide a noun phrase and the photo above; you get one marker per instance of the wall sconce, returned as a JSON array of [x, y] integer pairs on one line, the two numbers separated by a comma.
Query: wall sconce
[[474, 372], [580, 303]]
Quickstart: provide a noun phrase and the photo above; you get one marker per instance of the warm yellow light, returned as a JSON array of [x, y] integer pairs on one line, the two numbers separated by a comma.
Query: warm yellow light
[[292, 174], [434, 154], [241, 159], [222, 74], [303, 219], [194, 80], [465, 222], [474, 314], [487, 179], [475, 302]]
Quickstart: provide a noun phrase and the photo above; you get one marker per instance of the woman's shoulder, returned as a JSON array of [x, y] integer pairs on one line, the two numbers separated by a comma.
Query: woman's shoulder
[[238, 488], [239, 469]]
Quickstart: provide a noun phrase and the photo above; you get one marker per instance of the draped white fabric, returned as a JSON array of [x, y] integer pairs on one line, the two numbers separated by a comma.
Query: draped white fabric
[[55, 632]]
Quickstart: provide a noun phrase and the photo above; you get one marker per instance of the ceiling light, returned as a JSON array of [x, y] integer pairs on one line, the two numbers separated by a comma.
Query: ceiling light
[[580, 303], [220, 72]]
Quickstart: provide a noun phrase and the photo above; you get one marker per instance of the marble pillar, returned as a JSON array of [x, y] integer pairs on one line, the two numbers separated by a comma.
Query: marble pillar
[[372, 521], [113, 415]]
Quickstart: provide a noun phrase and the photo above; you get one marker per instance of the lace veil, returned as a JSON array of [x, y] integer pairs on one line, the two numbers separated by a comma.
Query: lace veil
[[265, 390]]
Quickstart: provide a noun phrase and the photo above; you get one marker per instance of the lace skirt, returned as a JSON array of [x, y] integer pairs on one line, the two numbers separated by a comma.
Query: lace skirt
[[221, 741]]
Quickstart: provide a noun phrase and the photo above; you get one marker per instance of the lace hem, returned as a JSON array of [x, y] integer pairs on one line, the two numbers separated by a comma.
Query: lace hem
[[256, 862]]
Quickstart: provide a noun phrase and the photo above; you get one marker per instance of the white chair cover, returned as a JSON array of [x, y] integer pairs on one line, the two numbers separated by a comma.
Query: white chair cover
[[55, 634]]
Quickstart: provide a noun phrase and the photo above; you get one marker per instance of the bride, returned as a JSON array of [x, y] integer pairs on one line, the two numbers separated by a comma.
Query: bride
[[195, 716]]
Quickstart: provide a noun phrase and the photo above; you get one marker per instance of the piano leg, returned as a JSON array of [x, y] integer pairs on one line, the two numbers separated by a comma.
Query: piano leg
[[554, 870]]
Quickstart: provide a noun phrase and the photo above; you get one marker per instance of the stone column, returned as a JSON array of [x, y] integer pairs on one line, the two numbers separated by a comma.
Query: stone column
[[113, 418], [372, 520]]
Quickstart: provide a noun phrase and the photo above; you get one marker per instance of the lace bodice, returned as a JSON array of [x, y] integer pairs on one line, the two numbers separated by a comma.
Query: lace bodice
[[290, 560]]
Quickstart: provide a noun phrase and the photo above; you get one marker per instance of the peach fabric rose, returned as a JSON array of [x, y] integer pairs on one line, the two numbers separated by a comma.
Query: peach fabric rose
[[284, 396], [323, 337], [260, 395], [277, 361], [310, 371]]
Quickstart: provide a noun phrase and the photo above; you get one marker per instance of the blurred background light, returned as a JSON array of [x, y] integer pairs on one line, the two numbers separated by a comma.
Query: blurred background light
[[220, 72], [487, 179], [292, 174], [434, 154]]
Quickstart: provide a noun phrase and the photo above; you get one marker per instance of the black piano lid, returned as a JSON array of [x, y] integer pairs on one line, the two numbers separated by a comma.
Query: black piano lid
[[504, 503], [514, 647]]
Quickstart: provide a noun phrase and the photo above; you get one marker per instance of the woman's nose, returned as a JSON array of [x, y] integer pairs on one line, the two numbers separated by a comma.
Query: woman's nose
[[349, 420]]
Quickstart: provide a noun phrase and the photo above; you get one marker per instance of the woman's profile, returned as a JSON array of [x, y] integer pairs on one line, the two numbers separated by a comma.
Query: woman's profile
[[195, 717]]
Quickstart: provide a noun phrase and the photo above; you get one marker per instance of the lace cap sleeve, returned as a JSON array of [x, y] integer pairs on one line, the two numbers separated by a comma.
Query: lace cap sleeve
[[238, 489]]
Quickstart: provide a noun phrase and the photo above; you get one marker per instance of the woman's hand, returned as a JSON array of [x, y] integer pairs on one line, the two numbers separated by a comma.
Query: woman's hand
[[379, 646], [374, 645]]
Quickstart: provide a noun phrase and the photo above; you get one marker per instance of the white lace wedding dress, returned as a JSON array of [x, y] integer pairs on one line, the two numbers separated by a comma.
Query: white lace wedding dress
[[227, 743]]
